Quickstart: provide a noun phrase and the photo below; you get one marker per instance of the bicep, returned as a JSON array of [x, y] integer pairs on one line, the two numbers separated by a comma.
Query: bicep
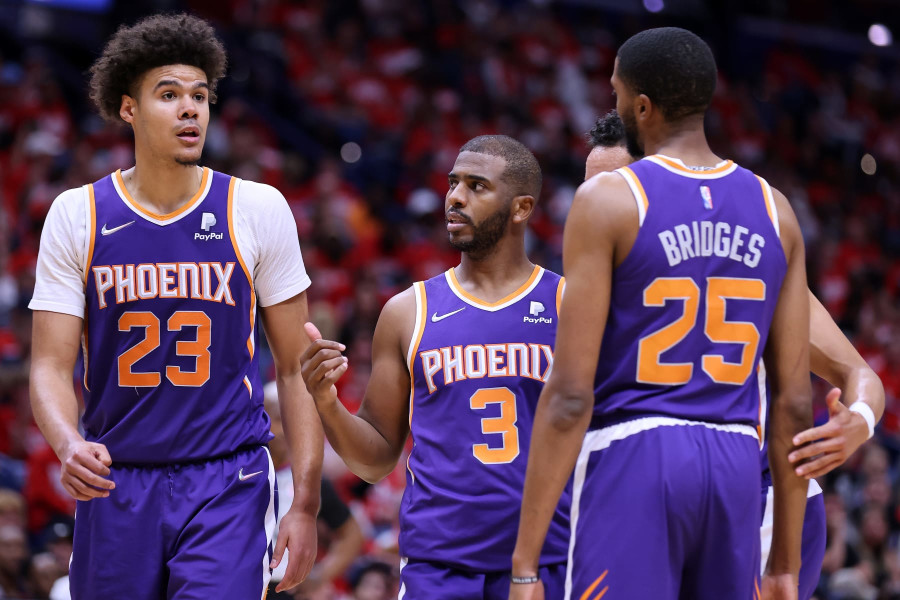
[[831, 355], [283, 324], [56, 340], [787, 349], [386, 403]]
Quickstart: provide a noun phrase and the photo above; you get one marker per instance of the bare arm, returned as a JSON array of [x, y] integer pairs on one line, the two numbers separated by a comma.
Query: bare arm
[[371, 441], [302, 433], [787, 356], [833, 358], [563, 414], [55, 347], [347, 545]]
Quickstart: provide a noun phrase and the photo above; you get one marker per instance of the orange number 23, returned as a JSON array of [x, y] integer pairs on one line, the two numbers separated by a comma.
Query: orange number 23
[[718, 330], [197, 348]]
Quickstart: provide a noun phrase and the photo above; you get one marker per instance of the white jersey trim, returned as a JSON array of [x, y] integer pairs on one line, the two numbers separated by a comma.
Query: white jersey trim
[[601, 439], [677, 166], [207, 176], [640, 198], [517, 295]]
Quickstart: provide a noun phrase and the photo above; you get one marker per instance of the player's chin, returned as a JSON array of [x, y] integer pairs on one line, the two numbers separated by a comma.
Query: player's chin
[[189, 158]]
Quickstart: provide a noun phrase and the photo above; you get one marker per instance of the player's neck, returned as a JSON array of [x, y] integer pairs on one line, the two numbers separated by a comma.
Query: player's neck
[[686, 142], [162, 187], [496, 275]]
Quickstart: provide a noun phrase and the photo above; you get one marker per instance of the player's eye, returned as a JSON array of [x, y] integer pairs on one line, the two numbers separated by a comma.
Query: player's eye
[[477, 186], [452, 183], [168, 95], [199, 97]]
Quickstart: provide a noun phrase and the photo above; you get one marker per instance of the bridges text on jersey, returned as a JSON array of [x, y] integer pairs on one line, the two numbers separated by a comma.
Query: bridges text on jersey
[[706, 238]]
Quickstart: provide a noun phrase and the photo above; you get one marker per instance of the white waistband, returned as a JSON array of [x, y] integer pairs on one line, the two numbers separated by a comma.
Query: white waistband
[[600, 439]]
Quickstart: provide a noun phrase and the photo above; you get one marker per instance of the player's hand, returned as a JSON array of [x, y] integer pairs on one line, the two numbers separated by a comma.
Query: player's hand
[[322, 364], [526, 591], [297, 533], [85, 469], [779, 587], [829, 445]]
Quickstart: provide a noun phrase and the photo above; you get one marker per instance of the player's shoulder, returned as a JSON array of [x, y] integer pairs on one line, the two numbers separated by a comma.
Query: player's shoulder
[[70, 205], [604, 199], [402, 305], [257, 197]]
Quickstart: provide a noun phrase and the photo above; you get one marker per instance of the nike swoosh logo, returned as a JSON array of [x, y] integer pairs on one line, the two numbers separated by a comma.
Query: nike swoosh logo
[[242, 477], [435, 318], [106, 231]]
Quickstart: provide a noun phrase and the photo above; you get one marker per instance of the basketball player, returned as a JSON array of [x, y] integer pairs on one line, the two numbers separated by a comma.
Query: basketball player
[[157, 273], [679, 264], [458, 361], [832, 357]]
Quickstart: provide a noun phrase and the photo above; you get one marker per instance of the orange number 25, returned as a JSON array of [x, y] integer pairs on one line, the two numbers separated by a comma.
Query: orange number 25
[[197, 348], [717, 329]]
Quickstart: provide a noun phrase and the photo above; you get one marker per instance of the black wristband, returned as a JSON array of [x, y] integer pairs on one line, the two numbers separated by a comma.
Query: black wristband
[[524, 580]]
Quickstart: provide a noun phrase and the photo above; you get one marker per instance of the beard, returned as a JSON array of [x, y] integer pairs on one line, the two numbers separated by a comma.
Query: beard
[[632, 141], [485, 236], [188, 162]]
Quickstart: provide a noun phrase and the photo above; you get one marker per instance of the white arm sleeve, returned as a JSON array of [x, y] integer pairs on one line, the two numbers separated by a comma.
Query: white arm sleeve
[[267, 237], [59, 281]]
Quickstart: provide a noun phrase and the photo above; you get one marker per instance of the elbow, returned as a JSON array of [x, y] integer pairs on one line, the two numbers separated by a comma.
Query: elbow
[[569, 408], [372, 473]]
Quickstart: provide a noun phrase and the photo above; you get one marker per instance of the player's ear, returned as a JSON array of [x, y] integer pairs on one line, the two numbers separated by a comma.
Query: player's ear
[[522, 207], [643, 107], [126, 109]]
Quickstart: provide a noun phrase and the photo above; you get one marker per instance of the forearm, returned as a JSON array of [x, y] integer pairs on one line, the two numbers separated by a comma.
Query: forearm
[[791, 414], [303, 435], [560, 423], [863, 385], [54, 405], [362, 447]]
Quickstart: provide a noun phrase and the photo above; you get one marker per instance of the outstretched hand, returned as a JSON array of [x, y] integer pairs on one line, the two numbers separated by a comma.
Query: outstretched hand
[[322, 364], [824, 448]]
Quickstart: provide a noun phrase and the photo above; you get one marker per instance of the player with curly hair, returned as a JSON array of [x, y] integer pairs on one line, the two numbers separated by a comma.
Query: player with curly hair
[[156, 274]]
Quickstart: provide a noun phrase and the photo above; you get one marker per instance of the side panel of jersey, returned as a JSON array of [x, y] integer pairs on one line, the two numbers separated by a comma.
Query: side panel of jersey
[[477, 375], [171, 370], [692, 303]]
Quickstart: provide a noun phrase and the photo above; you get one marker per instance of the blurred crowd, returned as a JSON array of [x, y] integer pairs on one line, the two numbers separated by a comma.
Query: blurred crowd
[[356, 111]]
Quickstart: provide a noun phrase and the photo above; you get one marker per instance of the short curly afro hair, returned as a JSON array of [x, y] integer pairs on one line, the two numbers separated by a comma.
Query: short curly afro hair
[[153, 42]]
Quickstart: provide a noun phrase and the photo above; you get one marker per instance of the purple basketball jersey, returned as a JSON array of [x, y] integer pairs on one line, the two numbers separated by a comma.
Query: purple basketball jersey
[[170, 369], [692, 303], [477, 372]]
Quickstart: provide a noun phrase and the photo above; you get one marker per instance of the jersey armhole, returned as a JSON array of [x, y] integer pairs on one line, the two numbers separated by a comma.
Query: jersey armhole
[[771, 209], [640, 196], [560, 290], [91, 226]]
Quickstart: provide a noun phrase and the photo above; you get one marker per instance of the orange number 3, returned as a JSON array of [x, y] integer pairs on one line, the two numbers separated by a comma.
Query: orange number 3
[[198, 348], [504, 424], [718, 330]]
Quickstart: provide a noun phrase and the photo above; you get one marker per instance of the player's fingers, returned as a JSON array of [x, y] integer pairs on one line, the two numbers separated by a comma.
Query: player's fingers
[[90, 478], [88, 458], [280, 545], [70, 489], [318, 375], [828, 445], [332, 376], [312, 331], [102, 454], [822, 466], [86, 490], [86, 467], [829, 429], [833, 401], [320, 350]]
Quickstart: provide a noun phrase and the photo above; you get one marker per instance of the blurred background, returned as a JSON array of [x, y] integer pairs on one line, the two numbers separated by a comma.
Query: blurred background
[[356, 109]]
